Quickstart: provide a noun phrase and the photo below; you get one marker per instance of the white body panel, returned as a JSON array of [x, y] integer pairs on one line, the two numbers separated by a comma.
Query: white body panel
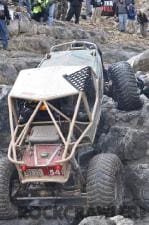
[[44, 83]]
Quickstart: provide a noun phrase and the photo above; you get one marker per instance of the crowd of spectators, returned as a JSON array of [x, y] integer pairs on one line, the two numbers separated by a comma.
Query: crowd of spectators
[[127, 15], [45, 11]]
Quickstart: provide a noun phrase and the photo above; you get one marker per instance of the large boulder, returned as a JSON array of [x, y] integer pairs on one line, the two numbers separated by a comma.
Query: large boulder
[[11, 63], [23, 26], [137, 180], [123, 133], [126, 142], [58, 33], [34, 43], [7, 73], [140, 62], [13, 28], [119, 52]]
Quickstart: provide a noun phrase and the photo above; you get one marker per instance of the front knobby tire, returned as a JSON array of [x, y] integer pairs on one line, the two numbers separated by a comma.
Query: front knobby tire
[[7, 209], [104, 181]]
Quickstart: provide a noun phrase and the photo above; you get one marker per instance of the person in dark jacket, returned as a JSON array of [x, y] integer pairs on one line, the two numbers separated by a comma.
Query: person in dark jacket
[[115, 6], [37, 11], [4, 20], [143, 21], [75, 9]]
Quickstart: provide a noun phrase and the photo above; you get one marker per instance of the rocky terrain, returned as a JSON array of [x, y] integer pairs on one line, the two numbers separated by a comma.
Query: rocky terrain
[[29, 42], [123, 133]]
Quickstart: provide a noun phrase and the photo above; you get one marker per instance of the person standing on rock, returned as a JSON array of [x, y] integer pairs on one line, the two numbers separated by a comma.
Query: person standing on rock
[[121, 11], [143, 21], [131, 26], [75, 9], [97, 4], [61, 11], [51, 10], [4, 20], [28, 6], [37, 10], [114, 6], [48, 9], [43, 10], [88, 9]]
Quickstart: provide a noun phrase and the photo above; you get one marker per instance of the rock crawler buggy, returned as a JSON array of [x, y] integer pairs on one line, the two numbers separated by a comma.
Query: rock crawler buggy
[[54, 112]]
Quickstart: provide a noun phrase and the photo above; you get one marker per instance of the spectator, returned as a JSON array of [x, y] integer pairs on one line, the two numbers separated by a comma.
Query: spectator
[[96, 10], [4, 20], [28, 6], [37, 11], [51, 9], [143, 21], [75, 9], [88, 9], [18, 13], [114, 6], [131, 12], [62, 7], [43, 10], [121, 11]]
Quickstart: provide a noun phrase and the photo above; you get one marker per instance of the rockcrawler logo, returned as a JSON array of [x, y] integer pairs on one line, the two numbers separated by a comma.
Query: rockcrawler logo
[[73, 215], [64, 215]]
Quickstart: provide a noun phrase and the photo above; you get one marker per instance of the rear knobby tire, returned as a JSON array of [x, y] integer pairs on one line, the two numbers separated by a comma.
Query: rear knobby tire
[[104, 181], [124, 86], [7, 209]]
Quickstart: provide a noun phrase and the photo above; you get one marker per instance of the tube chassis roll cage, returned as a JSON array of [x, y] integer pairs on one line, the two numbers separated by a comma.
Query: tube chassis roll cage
[[16, 142], [68, 46], [74, 45]]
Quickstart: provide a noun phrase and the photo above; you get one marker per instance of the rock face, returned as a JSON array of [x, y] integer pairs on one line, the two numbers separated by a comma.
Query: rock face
[[124, 133], [40, 38], [119, 52], [11, 63], [28, 46], [137, 179], [140, 62]]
